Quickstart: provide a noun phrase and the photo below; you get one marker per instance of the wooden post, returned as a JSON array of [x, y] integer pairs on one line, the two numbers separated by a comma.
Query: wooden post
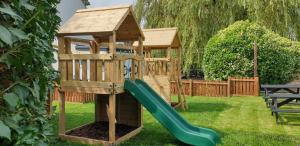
[[94, 49], [61, 121], [169, 52], [70, 62], [255, 59], [229, 87], [97, 107], [256, 86], [111, 109], [191, 87], [140, 47], [132, 75], [62, 64]]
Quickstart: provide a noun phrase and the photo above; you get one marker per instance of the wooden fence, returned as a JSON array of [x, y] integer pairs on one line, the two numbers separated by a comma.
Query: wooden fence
[[231, 87], [74, 96]]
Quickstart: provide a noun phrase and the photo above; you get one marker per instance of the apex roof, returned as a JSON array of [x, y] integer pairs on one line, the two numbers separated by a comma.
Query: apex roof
[[161, 38], [103, 21]]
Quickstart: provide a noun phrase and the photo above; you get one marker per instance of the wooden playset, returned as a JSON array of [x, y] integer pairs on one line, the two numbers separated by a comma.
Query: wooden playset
[[118, 115], [113, 71], [162, 50]]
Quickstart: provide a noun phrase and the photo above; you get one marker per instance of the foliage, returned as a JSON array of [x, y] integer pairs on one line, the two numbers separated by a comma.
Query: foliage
[[27, 30], [198, 20], [230, 53]]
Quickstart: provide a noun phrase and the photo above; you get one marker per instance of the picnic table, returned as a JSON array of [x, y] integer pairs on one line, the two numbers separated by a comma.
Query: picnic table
[[275, 99], [276, 104], [271, 89]]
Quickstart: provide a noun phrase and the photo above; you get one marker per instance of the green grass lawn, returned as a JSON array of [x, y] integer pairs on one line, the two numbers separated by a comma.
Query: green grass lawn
[[241, 121]]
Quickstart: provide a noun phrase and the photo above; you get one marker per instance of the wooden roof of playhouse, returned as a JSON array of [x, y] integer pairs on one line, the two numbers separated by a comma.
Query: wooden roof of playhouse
[[161, 38], [102, 22]]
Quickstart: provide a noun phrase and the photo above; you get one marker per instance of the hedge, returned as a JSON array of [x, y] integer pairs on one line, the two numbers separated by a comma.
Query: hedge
[[230, 53], [27, 30]]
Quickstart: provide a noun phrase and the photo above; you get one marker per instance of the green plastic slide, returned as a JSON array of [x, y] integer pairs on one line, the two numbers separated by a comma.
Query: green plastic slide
[[169, 118]]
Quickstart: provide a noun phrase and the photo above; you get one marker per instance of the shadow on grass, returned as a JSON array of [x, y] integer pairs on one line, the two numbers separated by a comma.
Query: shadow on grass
[[291, 119], [207, 107]]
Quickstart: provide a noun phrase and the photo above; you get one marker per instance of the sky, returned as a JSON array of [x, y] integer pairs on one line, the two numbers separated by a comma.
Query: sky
[[103, 3]]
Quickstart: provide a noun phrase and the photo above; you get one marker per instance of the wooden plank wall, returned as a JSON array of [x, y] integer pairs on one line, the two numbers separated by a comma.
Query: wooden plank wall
[[74, 96], [232, 87]]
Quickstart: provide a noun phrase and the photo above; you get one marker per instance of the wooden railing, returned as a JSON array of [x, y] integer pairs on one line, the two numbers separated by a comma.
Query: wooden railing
[[232, 87], [162, 66], [157, 66], [97, 70]]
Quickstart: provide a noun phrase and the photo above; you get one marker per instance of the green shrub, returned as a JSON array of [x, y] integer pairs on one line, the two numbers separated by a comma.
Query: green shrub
[[230, 53], [27, 30]]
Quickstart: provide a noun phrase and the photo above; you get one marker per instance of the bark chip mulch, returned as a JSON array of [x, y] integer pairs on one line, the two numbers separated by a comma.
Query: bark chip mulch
[[99, 131]]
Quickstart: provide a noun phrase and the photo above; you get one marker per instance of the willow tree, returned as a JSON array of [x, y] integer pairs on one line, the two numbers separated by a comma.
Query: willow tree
[[198, 20]]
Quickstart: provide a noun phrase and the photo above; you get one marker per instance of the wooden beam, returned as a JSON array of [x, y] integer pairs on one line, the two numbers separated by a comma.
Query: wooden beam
[[229, 87], [96, 90], [61, 121], [62, 64], [169, 53], [123, 57], [94, 49], [157, 59], [97, 108], [111, 109], [79, 40], [87, 84], [85, 56], [132, 75], [112, 43], [83, 140], [129, 135], [111, 118], [69, 62]]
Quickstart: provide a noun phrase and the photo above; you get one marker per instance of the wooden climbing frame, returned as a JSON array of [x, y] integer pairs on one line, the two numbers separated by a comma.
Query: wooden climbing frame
[[113, 28], [162, 50]]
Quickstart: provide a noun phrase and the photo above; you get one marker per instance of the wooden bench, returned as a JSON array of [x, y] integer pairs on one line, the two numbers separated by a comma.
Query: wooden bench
[[287, 98]]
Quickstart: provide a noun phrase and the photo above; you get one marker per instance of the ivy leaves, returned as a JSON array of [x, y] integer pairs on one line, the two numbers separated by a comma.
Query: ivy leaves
[[11, 35], [27, 29], [11, 99], [4, 131], [6, 9], [5, 36]]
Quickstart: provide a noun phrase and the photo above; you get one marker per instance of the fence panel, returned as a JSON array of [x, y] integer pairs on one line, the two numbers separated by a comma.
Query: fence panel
[[232, 87], [244, 86]]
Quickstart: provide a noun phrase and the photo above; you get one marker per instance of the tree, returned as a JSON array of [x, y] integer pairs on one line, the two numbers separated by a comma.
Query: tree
[[230, 53], [198, 20]]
